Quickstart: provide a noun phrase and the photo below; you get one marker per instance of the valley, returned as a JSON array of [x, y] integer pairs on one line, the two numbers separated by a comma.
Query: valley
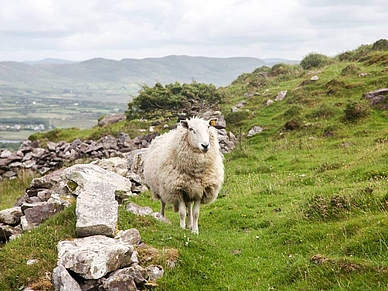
[[67, 94]]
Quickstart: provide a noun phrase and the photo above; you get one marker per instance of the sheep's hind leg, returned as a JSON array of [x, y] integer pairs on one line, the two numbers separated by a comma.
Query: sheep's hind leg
[[189, 206], [182, 214], [162, 207], [197, 204]]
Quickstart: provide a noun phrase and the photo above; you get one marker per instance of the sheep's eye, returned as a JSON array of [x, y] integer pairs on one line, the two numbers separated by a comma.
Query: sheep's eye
[[192, 130]]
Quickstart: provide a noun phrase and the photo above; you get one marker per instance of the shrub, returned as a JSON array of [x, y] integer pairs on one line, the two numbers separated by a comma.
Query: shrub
[[292, 125], [293, 111], [174, 99], [380, 45], [314, 60], [282, 69], [349, 70], [355, 111], [356, 54]]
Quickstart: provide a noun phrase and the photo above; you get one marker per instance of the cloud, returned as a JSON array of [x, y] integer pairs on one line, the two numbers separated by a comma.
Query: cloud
[[126, 28]]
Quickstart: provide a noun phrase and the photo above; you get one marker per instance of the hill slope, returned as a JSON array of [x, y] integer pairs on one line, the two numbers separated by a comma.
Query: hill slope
[[304, 204]]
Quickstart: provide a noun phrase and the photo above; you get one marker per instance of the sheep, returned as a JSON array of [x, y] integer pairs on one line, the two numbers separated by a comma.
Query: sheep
[[184, 167]]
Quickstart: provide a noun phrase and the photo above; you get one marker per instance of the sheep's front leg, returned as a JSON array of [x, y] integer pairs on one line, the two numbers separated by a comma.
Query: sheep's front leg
[[182, 214], [189, 206], [197, 204]]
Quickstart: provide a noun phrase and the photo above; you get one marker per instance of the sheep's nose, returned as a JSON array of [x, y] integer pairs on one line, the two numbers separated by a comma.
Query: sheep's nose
[[205, 146]]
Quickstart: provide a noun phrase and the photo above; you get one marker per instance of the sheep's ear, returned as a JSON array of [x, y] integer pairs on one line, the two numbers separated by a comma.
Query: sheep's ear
[[213, 121], [184, 123]]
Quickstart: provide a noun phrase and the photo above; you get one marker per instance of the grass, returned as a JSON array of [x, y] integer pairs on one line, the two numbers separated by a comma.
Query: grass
[[301, 209], [11, 190]]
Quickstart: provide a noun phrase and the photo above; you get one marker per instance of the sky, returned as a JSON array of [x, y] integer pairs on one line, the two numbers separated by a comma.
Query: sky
[[78, 30]]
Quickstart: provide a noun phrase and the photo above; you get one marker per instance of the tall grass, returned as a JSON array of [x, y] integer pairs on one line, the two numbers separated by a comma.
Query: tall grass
[[11, 190]]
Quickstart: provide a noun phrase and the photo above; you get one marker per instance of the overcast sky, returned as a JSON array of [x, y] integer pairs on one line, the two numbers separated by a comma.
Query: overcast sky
[[116, 29]]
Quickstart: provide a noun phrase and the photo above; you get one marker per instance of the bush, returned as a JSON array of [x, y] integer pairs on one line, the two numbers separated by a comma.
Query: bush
[[356, 54], [293, 111], [355, 111], [174, 99], [380, 45], [281, 69], [314, 60], [350, 70]]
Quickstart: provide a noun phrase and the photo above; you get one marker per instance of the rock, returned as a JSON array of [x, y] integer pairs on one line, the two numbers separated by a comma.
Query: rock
[[138, 210], [375, 93], [134, 178], [38, 153], [96, 207], [116, 164], [9, 174], [241, 104], [314, 78], [254, 130], [28, 164], [108, 142], [281, 95], [160, 217], [235, 109], [3, 162], [63, 281], [377, 97], [125, 279], [5, 232], [94, 256], [110, 119], [5, 154], [51, 146], [44, 194], [44, 170], [11, 216], [130, 236], [269, 102], [144, 211], [40, 212], [124, 142], [363, 74], [227, 140], [155, 272], [136, 161]]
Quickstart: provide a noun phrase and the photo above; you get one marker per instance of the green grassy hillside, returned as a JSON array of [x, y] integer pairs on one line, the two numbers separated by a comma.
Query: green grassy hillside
[[304, 204]]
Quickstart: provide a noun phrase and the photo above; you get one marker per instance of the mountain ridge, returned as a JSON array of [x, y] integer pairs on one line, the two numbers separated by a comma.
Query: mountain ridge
[[119, 78]]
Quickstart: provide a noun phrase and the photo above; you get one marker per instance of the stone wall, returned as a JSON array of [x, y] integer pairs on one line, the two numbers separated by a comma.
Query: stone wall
[[32, 156]]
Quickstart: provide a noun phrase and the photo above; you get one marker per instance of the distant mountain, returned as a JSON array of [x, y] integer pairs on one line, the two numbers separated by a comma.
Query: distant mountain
[[102, 77], [49, 61]]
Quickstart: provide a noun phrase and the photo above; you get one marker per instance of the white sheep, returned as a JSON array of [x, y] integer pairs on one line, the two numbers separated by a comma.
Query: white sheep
[[184, 167]]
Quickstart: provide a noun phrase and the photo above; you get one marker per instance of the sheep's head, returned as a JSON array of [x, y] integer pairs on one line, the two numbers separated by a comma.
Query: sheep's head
[[198, 132]]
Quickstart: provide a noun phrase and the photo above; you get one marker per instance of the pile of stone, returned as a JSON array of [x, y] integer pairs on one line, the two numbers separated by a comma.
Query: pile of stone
[[99, 257], [53, 192]]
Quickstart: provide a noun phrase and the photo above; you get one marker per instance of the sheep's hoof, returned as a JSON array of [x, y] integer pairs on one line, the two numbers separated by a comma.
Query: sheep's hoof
[[195, 231]]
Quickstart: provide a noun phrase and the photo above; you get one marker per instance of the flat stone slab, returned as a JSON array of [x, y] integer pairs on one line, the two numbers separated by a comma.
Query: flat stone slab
[[96, 188]]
